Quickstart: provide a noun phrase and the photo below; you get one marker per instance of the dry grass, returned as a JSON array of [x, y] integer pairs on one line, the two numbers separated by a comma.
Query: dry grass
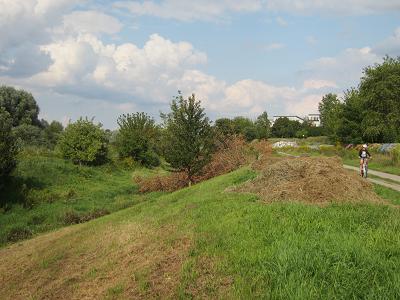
[[129, 260], [231, 155], [309, 179]]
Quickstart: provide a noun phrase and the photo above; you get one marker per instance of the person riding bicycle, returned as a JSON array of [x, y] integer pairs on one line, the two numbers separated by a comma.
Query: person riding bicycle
[[364, 155]]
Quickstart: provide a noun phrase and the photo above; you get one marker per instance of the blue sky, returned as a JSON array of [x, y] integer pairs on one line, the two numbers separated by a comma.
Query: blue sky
[[105, 58]]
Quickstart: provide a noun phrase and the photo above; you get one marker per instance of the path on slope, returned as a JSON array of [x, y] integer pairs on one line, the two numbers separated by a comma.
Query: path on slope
[[392, 177]]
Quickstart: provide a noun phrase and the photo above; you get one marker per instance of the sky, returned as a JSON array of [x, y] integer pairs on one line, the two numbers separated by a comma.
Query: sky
[[101, 59]]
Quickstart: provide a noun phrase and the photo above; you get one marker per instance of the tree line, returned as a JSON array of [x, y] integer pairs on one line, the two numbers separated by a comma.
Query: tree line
[[369, 113]]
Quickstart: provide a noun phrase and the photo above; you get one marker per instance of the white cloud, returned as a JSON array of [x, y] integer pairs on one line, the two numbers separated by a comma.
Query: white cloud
[[273, 46], [311, 40], [281, 21], [345, 69], [315, 84], [189, 10], [390, 46], [207, 10], [91, 22]]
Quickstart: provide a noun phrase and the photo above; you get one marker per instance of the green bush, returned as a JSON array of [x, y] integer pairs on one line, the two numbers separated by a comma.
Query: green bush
[[84, 142], [8, 147], [395, 155], [136, 138]]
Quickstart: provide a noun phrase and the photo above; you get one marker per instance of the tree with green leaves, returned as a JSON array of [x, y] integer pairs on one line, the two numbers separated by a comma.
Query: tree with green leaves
[[224, 126], [189, 139], [8, 147], [380, 90], [263, 126], [330, 109], [84, 142], [350, 129], [21, 106], [285, 128], [136, 138]]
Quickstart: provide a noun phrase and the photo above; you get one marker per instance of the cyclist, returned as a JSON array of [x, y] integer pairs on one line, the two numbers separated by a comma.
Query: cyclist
[[364, 155]]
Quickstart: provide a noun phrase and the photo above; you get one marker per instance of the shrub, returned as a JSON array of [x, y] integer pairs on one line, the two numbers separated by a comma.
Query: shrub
[[17, 233], [73, 217], [8, 147], [83, 142], [136, 138], [231, 154], [395, 155]]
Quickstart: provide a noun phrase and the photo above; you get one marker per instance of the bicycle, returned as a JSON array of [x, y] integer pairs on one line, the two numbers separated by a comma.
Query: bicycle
[[364, 169]]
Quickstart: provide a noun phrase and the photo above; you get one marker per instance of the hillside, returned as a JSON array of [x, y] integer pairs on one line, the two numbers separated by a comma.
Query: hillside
[[205, 242]]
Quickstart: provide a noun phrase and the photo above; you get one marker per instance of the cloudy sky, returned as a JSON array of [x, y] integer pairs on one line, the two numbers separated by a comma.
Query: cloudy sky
[[100, 58]]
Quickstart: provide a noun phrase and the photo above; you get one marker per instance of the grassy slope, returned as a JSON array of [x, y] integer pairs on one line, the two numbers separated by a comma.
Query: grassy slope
[[204, 242], [45, 188]]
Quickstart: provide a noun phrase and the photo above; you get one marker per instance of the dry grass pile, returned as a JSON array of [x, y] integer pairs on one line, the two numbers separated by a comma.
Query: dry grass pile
[[310, 179], [231, 155]]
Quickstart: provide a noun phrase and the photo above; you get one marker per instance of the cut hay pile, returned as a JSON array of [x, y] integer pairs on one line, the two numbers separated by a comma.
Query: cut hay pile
[[309, 179]]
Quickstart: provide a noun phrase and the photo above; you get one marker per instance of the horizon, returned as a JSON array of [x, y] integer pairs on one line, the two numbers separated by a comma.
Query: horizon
[[101, 58]]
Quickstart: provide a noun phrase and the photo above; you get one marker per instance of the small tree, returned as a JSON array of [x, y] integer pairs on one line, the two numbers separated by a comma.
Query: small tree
[[285, 128], [263, 126], [330, 109], [135, 138], [8, 148], [189, 138], [84, 142]]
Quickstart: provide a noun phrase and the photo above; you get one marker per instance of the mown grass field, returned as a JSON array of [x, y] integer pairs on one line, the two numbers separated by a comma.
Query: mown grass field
[[205, 242], [48, 192]]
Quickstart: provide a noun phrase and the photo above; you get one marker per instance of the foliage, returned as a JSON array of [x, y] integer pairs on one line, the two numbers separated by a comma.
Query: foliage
[[136, 138], [46, 190], [285, 128], [380, 87], [263, 126], [350, 130], [84, 142], [51, 132], [8, 147], [21, 106], [224, 126], [188, 136], [330, 109]]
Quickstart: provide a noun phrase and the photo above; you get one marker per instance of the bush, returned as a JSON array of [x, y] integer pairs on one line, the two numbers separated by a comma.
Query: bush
[[83, 142], [231, 154], [136, 138], [8, 147], [18, 233], [395, 155], [72, 217]]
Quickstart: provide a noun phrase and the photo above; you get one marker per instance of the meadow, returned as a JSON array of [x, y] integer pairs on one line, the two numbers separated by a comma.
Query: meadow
[[206, 242]]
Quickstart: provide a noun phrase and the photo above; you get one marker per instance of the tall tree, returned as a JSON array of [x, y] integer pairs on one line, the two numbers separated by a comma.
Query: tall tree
[[8, 148], [380, 88], [330, 109], [263, 126], [285, 128], [189, 137], [21, 106]]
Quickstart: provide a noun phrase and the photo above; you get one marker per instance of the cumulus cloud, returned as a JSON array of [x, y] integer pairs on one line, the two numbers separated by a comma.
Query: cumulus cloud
[[315, 84]]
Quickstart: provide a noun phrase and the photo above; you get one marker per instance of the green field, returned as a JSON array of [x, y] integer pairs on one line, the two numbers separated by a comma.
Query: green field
[[48, 192], [205, 242]]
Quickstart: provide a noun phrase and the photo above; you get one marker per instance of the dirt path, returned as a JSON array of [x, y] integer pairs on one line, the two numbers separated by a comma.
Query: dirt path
[[393, 186], [376, 173]]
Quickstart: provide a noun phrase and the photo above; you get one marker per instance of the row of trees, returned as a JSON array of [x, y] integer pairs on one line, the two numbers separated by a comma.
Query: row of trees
[[369, 113]]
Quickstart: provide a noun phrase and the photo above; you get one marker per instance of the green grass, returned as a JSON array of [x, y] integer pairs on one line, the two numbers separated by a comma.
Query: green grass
[[241, 248], [47, 192]]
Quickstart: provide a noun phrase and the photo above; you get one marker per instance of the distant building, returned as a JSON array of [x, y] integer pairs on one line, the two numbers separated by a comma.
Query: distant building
[[315, 119]]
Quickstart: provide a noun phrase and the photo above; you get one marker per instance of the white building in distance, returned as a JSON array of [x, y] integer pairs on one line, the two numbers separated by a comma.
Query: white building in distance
[[315, 119]]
